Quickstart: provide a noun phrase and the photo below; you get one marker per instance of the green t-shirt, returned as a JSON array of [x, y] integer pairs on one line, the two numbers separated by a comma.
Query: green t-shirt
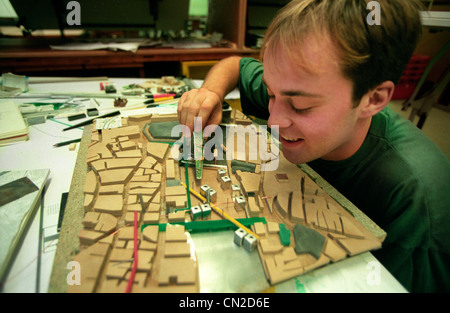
[[399, 178]]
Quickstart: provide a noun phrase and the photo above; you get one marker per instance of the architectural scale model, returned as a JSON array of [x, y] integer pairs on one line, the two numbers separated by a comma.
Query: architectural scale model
[[142, 203]]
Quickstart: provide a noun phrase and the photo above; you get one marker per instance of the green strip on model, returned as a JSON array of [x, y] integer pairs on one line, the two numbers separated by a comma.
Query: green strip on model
[[188, 192], [215, 225]]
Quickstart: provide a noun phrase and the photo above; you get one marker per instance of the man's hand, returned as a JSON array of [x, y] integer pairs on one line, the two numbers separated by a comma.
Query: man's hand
[[206, 102], [201, 103]]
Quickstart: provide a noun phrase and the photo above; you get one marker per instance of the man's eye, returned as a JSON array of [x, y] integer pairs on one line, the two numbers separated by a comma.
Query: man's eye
[[302, 111], [296, 110]]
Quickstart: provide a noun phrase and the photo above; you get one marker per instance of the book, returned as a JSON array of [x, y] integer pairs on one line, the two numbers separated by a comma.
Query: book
[[12, 125]]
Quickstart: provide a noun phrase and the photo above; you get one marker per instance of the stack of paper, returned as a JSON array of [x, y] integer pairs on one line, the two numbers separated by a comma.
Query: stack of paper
[[17, 212], [12, 125]]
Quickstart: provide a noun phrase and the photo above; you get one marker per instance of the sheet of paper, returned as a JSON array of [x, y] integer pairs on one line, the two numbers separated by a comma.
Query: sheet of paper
[[126, 46]]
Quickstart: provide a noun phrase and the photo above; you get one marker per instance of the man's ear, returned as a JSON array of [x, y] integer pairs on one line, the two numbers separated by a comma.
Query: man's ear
[[376, 99]]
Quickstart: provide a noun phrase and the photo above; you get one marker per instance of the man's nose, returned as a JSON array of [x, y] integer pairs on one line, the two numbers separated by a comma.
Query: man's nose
[[279, 115]]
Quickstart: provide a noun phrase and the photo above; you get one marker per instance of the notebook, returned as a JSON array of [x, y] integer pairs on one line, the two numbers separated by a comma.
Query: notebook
[[12, 125]]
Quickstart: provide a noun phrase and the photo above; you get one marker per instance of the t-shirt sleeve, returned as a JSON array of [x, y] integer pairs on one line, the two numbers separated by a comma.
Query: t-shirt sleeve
[[254, 97]]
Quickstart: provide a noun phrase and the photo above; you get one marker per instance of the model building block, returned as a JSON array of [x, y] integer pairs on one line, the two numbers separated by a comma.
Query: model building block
[[175, 233], [196, 213], [157, 150], [239, 236], [116, 176], [239, 203], [177, 249], [170, 169], [235, 190], [308, 240], [91, 185], [177, 202], [176, 191], [206, 210], [111, 190], [177, 217], [220, 173], [249, 243], [253, 208], [204, 189], [151, 218], [211, 195], [225, 182], [112, 204], [179, 271]]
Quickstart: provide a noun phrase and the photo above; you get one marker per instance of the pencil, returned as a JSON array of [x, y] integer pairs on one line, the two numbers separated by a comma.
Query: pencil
[[158, 100], [161, 95], [65, 143], [89, 121], [222, 213]]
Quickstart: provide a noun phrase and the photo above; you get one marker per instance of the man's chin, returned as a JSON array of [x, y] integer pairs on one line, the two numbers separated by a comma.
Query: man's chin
[[295, 158]]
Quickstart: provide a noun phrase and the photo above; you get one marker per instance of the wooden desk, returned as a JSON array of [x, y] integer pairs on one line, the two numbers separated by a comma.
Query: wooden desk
[[21, 56]]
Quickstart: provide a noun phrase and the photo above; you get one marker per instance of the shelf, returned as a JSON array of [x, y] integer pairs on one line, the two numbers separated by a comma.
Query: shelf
[[27, 58], [227, 17]]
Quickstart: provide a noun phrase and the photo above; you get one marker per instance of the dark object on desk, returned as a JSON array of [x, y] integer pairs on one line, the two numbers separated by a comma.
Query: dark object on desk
[[62, 209], [226, 113], [65, 143], [92, 112], [110, 89], [87, 122], [120, 102], [76, 117], [16, 189], [35, 120]]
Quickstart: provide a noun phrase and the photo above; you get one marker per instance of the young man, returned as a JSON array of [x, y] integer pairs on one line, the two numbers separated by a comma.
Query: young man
[[326, 79]]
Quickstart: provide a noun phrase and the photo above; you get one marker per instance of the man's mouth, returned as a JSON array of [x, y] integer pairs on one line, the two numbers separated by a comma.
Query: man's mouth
[[288, 139]]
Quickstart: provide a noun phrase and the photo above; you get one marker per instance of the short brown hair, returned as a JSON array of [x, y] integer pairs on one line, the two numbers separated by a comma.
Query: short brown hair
[[369, 54]]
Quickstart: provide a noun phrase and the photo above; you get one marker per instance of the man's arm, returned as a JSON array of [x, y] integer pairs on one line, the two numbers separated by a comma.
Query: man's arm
[[206, 102]]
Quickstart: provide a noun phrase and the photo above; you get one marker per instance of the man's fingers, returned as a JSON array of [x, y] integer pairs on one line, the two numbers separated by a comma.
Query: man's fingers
[[187, 106], [216, 115], [208, 111], [192, 113], [180, 114], [199, 104]]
